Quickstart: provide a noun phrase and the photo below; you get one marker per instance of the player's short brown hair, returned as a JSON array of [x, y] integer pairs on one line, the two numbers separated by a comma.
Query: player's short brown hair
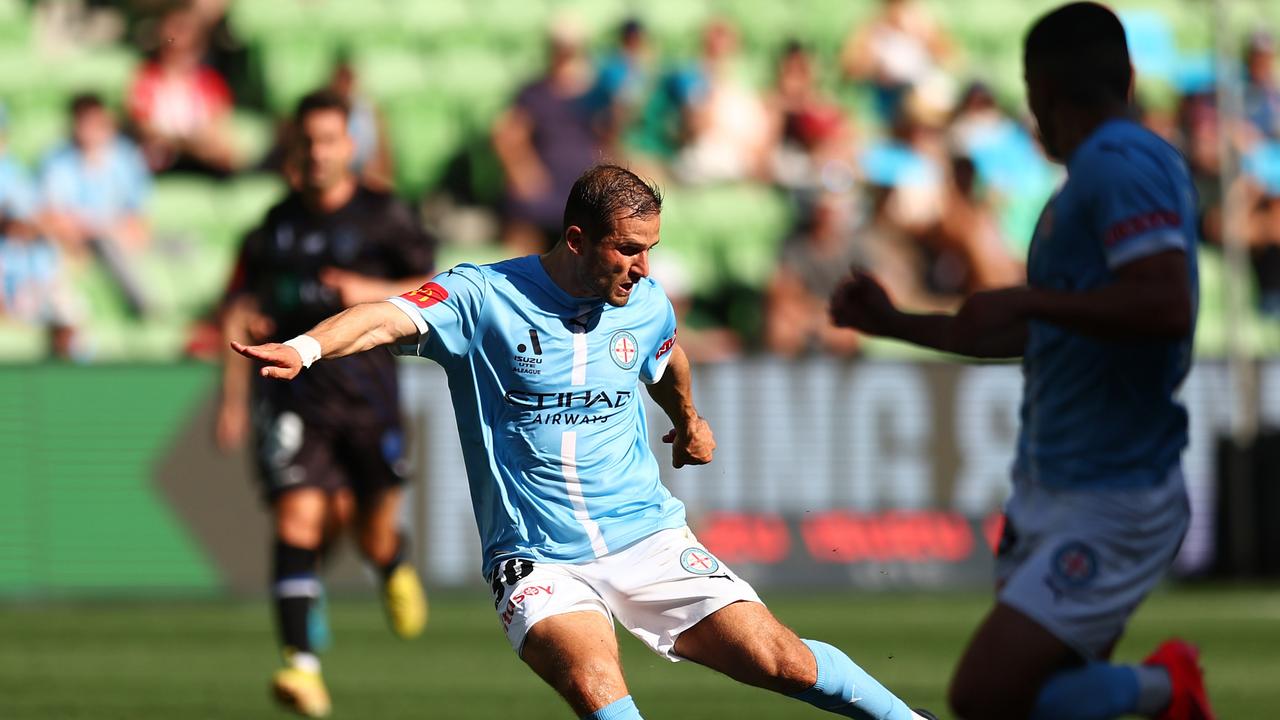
[[607, 193], [320, 100]]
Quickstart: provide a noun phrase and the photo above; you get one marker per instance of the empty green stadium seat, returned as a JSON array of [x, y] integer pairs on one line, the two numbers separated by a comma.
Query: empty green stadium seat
[[15, 23], [1211, 330], [255, 20], [253, 135], [426, 134], [478, 81], [439, 22], [386, 73], [105, 71], [22, 343], [600, 19], [184, 203], [34, 130], [292, 67], [244, 201]]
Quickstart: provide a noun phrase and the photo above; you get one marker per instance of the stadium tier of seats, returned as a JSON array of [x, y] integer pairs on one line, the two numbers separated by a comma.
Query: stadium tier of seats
[[441, 70]]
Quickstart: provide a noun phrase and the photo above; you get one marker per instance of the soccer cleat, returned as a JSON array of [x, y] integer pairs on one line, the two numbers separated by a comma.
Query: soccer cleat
[[301, 691], [405, 602], [1188, 700]]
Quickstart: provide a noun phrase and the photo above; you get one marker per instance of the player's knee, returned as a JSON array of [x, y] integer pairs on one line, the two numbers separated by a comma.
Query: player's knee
[[795, 673], [594, 683], [300, 530], [787, 667]]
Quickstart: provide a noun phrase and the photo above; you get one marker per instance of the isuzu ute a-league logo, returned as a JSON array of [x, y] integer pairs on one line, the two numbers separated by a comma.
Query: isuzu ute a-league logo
[[699, 561], [529, 364], [624, 349]]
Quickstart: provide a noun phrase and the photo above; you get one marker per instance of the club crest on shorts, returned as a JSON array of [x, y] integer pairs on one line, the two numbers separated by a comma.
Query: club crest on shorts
[[1075, 563], [624, 349], [699, 561]]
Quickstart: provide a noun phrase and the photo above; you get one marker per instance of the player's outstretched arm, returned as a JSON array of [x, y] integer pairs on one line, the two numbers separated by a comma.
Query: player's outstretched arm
[[354, 330], [988, 325], [1148, 298], [691, 440]]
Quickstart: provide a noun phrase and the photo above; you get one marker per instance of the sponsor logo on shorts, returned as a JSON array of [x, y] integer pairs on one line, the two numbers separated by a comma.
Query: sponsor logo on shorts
[[427, 295], [528, 591], [1075, 564], [624, 349], [699, 561]]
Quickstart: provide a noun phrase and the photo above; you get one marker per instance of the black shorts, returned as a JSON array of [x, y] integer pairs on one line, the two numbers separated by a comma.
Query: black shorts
[[292, 455]]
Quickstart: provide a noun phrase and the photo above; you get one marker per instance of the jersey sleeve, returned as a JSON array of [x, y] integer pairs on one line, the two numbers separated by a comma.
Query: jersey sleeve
[[446, 312], [1137, 211], [655, 361]]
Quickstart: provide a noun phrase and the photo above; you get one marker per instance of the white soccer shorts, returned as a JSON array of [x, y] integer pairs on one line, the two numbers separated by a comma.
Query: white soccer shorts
[[1079, 562], [657, 588]]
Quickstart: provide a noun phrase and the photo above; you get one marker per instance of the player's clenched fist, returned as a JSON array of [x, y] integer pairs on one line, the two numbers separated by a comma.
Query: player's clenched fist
[[862, 304], [281, 361], [691, 445]]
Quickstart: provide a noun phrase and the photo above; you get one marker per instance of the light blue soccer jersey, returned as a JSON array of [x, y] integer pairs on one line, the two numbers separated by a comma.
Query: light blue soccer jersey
[[545, 387], [1101, 412]]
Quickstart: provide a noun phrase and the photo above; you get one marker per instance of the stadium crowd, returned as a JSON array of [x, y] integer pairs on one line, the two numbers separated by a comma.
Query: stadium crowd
[[785, 159]]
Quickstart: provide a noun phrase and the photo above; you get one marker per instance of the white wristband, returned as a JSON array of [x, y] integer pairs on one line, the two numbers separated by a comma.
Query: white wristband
[[308, 347]]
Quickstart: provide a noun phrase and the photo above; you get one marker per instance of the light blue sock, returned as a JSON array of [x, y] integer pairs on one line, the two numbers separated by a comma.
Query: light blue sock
[[846, 689], [623, 708], [1097, 691]]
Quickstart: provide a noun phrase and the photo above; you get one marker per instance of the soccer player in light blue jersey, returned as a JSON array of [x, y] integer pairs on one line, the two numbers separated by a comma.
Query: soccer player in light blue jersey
[[545, 355], [1104, 328]]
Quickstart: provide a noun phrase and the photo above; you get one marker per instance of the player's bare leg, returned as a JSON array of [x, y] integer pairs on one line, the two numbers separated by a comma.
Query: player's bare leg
[[380, 539], [300, 518], [1005, 665], [378, 526], [342, 512], [746, 642], [577, 654], [1015, 669]]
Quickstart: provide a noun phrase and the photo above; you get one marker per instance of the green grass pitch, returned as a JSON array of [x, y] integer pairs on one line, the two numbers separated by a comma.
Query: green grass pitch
[[194, 660]]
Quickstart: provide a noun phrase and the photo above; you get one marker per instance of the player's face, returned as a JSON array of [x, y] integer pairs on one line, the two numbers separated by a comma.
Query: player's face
[[1040, 98], [324, 149], [611, 267]]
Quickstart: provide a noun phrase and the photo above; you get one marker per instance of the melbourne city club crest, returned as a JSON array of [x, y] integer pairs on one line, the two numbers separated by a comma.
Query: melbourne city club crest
[[699, 561], [1075, 563], [624, 349]]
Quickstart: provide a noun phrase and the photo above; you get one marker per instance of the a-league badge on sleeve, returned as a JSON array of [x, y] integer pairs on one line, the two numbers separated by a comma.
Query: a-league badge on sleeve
[[427, 295]]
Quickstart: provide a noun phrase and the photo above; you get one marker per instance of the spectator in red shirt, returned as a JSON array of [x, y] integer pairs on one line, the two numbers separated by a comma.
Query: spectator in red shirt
[[179, 105]]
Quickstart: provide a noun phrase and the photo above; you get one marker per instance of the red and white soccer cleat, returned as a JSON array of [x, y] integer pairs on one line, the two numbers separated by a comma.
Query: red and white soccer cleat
[[1188, 701]]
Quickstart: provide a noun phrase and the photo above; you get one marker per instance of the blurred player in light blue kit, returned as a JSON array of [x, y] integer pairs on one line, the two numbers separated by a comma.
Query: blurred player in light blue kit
[[1104, 328], [545, 355]]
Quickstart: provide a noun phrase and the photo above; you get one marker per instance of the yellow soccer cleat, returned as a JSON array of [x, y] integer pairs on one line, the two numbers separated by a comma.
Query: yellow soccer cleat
[[301, 691], [405, 602]]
